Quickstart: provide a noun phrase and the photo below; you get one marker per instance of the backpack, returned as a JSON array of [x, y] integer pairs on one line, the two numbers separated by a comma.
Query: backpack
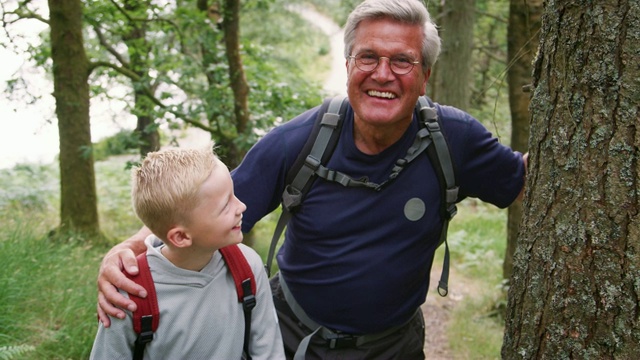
[[320, 145], [147, 316]]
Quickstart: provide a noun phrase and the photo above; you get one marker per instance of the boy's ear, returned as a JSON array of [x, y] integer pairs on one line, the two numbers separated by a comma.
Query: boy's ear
[[179, 237]]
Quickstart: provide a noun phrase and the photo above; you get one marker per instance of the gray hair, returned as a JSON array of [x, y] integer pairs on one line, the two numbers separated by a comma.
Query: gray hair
[[407, 11]]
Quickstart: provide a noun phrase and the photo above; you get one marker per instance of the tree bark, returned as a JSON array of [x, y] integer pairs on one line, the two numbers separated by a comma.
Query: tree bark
[[78, 200], [575, 290], [522, 44], [238, 81]]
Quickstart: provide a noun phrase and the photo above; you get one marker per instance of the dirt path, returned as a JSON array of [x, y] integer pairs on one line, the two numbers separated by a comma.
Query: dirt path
[[437, 312]]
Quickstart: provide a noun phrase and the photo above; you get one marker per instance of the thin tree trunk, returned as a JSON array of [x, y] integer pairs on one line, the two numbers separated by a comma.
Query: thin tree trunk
[[453, 80], [238, 81]]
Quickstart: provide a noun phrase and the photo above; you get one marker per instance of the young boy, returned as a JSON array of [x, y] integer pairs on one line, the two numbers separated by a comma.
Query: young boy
[[185, 197]]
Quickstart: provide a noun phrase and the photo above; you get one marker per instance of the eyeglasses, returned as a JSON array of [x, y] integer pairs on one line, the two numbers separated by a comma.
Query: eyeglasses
[[399, 64]]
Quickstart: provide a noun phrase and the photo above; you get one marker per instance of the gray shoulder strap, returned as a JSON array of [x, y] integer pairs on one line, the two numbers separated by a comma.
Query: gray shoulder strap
[[293, 193], [446, 176]]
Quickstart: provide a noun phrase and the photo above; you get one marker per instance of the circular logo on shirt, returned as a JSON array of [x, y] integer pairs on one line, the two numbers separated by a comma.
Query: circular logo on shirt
[[414, 209]]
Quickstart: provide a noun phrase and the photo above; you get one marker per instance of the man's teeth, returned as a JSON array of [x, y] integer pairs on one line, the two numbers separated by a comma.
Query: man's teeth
[[387, 95]]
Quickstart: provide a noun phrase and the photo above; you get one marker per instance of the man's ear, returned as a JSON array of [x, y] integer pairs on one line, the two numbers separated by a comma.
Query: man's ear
[[179, 237], [427, 75]]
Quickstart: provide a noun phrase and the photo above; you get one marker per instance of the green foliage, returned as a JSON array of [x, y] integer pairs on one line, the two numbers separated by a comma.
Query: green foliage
[[477, 238], [181, 62], [121, 143], [489, 100], [30, 191], [187, 66]]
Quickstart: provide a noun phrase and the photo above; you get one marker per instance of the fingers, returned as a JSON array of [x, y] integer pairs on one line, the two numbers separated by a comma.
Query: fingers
[[102, 316], [129, 262], [110, 279]]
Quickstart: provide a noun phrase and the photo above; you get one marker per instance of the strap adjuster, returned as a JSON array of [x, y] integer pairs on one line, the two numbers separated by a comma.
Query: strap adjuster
[[341, 341], [248, 300], [146, 335], [312, 162]]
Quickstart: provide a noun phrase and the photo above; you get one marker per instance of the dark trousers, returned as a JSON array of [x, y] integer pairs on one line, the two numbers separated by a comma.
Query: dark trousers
[[405, 344]]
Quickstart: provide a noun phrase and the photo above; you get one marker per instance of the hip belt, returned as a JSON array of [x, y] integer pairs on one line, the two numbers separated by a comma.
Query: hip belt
[[335, 339]]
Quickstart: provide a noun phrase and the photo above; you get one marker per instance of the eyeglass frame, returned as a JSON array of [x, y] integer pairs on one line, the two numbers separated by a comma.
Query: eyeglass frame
[[355, 59]]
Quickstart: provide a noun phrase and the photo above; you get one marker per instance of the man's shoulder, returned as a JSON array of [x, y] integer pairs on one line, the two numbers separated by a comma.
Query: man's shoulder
[[453, 114]]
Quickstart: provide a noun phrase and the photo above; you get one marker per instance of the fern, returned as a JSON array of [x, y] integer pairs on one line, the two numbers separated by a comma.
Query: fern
[[10, 352]]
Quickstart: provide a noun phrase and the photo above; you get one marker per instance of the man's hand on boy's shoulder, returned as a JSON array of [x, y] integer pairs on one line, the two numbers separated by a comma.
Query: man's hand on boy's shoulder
[[111, 278]]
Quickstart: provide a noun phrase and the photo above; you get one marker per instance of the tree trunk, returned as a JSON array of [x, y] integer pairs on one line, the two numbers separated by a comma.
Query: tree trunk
[[78, 200], [453, 80], [522, 44], [575, 288], [139, 49], [238, 81]]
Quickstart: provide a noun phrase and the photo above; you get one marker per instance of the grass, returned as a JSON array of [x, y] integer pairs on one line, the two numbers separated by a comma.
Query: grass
[[477, 242], [48, 292]]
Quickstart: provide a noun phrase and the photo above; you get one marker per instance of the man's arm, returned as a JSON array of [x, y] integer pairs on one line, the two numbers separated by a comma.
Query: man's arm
[[111, 277]]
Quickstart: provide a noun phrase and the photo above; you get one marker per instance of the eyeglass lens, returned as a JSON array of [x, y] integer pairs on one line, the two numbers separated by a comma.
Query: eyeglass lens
[[400, 65]]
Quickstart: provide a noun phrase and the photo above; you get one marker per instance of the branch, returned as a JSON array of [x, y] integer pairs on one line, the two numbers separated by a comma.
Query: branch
[[22, 12], [146, 90], [491, 54], [108, 47], [493, 16], [120, 69]]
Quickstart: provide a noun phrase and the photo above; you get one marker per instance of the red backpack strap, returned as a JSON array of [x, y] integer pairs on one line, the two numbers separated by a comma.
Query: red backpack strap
[[245, 286], [147, 315], [240, 269]]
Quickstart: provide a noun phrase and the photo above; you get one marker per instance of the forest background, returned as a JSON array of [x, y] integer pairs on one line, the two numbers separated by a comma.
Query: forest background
[[234, 70], [49, 286]]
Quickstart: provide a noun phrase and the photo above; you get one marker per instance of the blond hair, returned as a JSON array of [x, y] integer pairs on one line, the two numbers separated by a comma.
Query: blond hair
[[165, 186]]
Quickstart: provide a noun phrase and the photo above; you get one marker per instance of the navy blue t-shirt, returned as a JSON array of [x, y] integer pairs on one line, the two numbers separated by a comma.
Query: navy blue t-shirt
[[357, 260]]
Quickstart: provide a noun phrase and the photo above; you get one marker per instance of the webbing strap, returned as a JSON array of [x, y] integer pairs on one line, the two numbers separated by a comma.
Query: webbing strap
[[430, 117], [245, 286], [329, 122], [292, 195], [282, 222]]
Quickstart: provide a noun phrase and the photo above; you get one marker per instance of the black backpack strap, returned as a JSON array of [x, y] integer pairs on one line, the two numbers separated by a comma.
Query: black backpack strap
[[440, 157], [318, 148], [245, 287], [147, 316]]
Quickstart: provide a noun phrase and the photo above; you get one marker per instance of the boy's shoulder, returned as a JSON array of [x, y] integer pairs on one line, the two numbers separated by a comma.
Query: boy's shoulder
[[253, 258]]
